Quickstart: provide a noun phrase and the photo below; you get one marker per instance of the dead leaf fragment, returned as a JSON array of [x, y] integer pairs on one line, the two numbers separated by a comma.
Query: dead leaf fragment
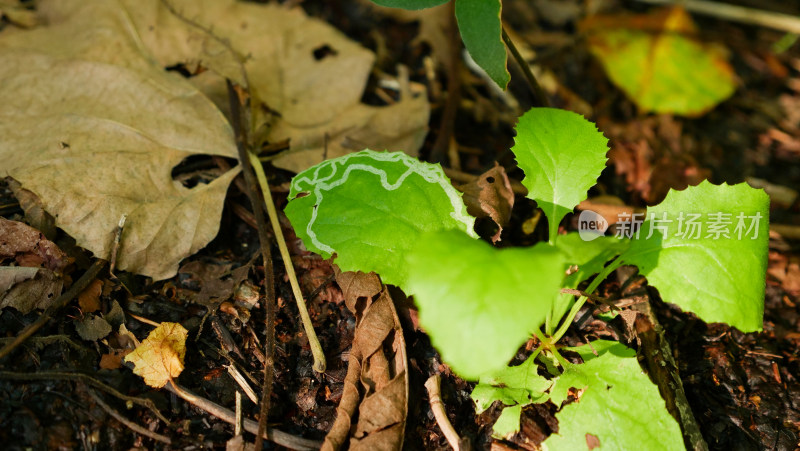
[[490, 195], [28, 246], [27, 289], [160, 356], [112, 360], [376, 385], [92, 327], [89, 299]]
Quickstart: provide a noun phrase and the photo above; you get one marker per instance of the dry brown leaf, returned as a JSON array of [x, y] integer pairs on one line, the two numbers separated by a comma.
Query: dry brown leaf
[[300, 67], [16, 13], [28, 247], [112, 360], [27, 289], [490, 195], [160, 356], [89, 299], [376, 385], [92, 327], [94, 128]]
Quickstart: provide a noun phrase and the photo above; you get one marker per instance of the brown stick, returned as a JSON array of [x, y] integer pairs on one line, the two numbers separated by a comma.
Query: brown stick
[[229, 416], [447, 125], [57, 305], [269, 277], [130, 424], [538, 92]]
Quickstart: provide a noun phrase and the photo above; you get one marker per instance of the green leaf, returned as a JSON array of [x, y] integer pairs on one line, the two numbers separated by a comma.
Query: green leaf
[[479, 303], [410, 4], [507, 423], [515, 386], [719, 278], [371, 207], [590, 257], [658, 63], [512, 385], [562, 155], [481, 30], [617, 403]]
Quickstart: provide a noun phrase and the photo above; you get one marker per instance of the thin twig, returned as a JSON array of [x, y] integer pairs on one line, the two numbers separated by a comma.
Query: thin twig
[[590, 296], [76, 288], [130, 424], [313, 341], [266, 253], [448, 122], [88, 380], [726, 11], [432, 385], [229, 416], [538, 92]]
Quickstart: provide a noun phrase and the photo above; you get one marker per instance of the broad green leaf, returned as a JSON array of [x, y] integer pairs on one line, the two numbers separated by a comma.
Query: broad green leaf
[[514, 386], [617, 403], [708, 252], [410, 4], [659, 64], [478, 303], [562, 155], [370, 208], [481, 30], [590, 257], [519, 384]]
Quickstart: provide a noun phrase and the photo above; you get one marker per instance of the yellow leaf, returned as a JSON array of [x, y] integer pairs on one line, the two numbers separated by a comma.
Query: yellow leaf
[[160, 356]]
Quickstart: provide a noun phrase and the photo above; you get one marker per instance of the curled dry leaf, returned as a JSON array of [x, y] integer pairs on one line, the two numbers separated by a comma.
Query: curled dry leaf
[[376, 385], [490, 195], [160, 356], [92, 327]]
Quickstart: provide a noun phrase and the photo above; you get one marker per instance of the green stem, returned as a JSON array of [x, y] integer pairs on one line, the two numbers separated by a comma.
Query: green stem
[[616, 263], [538, 92]]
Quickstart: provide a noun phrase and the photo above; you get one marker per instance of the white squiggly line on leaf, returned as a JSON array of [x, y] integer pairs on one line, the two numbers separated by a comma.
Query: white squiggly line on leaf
[[430, 173]]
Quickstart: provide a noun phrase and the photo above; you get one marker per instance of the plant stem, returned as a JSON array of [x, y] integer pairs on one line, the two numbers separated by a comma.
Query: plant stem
[[616, 263], [313, 341], [538, 92]]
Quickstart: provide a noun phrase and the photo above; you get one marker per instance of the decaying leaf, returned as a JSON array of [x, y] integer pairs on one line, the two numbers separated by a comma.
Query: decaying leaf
[[657, 61], [94, 128], [28, 247], [376, 385], [160, 356], [16, 13], [92, 327], [27, 289], [490, 195], [89, 299], [288, 56]]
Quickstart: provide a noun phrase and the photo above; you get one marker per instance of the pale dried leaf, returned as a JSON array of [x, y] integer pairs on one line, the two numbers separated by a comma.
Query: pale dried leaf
[[160, 356], [27, 289], [289, 55], [94, 128]]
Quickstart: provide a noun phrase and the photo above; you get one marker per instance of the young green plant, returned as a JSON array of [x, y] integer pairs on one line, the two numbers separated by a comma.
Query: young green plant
[[704, 248]]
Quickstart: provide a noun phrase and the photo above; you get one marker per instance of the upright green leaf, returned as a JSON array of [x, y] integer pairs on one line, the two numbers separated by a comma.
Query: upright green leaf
[[481, 30], [410, 4], [562, 155], [707, 252], [617, 404], [370, 208], [479, 303]]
